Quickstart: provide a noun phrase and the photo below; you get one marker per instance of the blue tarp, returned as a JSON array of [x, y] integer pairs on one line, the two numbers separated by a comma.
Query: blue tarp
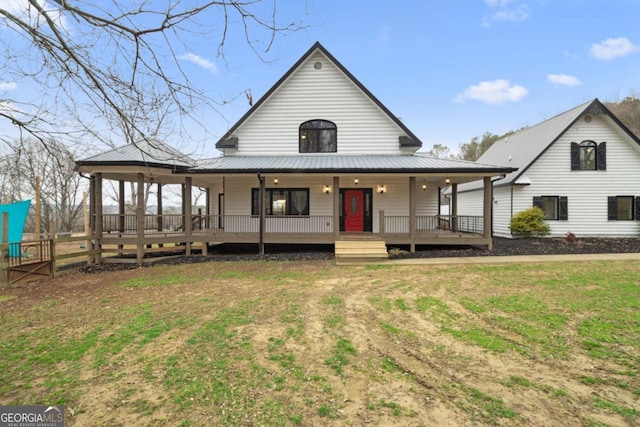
[[17, 217]]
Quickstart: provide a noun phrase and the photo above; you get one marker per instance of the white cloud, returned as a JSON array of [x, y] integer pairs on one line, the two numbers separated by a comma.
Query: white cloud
[[613, 48], [512, 15], [200, 61], [7, 86], [498, 3], [495, 92], [563, 79], [24, 11]]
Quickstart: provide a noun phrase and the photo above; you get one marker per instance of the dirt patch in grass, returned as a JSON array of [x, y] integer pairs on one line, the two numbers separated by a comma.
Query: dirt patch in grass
[[312, 343]]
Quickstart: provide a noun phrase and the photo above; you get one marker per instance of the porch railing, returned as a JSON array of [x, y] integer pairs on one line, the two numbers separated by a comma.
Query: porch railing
[[436, 224], [165, 224], [316, 224]]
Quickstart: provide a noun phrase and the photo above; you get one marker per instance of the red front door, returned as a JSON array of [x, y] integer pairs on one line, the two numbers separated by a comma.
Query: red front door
[[354, 210]]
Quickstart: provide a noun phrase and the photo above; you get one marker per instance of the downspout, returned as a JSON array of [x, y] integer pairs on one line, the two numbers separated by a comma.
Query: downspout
[[261, 209]]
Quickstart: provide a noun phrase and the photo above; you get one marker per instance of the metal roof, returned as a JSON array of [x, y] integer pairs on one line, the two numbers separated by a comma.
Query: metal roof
[[143, 153], [319, 164]]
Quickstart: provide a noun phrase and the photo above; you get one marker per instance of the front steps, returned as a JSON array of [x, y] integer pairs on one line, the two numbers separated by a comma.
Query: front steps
[[360, 250]]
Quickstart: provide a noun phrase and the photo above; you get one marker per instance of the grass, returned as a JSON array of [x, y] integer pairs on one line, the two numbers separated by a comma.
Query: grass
[[265, 343]]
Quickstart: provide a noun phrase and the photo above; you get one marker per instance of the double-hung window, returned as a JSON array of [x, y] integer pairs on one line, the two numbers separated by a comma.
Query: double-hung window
[[555, 208]]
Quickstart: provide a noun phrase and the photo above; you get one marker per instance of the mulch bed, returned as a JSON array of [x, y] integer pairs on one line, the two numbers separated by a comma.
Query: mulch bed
[[501, 247]]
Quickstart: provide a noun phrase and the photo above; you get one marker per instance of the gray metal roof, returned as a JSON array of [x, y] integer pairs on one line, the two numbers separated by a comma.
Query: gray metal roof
[[149, 153], [318, 163]]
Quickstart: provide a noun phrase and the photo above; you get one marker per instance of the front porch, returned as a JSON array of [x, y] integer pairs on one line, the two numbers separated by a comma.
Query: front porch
[[120, 235]]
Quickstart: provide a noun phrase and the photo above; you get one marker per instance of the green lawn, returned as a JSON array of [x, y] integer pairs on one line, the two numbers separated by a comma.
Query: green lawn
[[311, 343]]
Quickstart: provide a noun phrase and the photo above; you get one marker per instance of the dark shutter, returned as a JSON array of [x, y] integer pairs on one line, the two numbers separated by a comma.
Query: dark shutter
[[563, 208], [537, 201], [636, 213], [575, 156], [612, 208], [601, 157]]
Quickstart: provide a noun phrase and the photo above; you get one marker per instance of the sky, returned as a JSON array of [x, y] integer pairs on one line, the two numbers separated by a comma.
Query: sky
[[455, 69], [450, 69]]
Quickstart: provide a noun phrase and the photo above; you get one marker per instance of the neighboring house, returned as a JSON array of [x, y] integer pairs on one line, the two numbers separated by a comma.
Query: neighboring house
[[582, 168], [318, 159]]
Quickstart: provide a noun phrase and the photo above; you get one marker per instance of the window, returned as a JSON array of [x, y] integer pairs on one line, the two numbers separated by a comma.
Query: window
[[556, 208], [281, 201], [623, 208], [588, 155], [318, 136]]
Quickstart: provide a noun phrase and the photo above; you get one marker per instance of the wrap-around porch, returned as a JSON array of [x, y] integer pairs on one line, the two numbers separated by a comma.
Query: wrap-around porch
[[143, 234]]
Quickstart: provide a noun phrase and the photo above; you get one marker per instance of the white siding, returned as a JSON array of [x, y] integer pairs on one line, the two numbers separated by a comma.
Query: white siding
[[318, 94], [394, 202], [587, 191]]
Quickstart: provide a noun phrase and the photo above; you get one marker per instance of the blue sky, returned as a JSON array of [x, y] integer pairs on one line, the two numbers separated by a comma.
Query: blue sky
[[454, 69], [451, 69]]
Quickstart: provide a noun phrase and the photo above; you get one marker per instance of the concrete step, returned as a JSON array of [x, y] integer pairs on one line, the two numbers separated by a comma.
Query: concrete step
[[370, 249]]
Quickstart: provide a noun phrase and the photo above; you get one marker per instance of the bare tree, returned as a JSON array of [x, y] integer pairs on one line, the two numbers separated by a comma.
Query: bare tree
[[88, 60], [60, 184]]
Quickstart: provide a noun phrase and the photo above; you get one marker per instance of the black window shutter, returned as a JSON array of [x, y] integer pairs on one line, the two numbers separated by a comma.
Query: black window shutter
[[637, 210], [613, 208], [601, 157], [575, 156], [563, 208], [537, 201]]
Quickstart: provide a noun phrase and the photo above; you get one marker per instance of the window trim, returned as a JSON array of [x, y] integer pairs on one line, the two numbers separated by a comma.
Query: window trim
[[329, 126], [255, 195]]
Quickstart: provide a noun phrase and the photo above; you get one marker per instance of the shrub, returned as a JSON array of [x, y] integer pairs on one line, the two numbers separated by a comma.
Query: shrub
[[529, 222]]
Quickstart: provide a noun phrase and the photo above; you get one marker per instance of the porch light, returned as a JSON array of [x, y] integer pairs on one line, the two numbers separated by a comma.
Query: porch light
[[326, 189], [447, 181], [356, 181], [424, 187], [382, 189], [275, 181]]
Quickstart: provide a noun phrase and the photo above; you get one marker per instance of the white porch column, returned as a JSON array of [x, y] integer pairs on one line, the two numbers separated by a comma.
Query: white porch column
[[488, 211]]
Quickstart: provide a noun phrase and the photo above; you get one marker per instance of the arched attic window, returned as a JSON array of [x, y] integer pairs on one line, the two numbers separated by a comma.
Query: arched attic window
[[318, 136]]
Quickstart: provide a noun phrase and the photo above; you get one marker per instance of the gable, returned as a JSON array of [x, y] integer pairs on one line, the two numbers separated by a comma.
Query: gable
[[318, 87]]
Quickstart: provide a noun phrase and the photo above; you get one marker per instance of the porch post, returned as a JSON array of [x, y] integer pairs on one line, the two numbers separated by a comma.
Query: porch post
[[159, 204], [120, 211], [336, 207], [140, 210], [412, 213], [454, 207], [98, 219], [488, 208], [188, 220], [262, 213], [92, 217]]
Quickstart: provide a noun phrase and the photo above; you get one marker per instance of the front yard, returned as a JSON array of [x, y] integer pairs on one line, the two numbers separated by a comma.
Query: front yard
[[311, 343]]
